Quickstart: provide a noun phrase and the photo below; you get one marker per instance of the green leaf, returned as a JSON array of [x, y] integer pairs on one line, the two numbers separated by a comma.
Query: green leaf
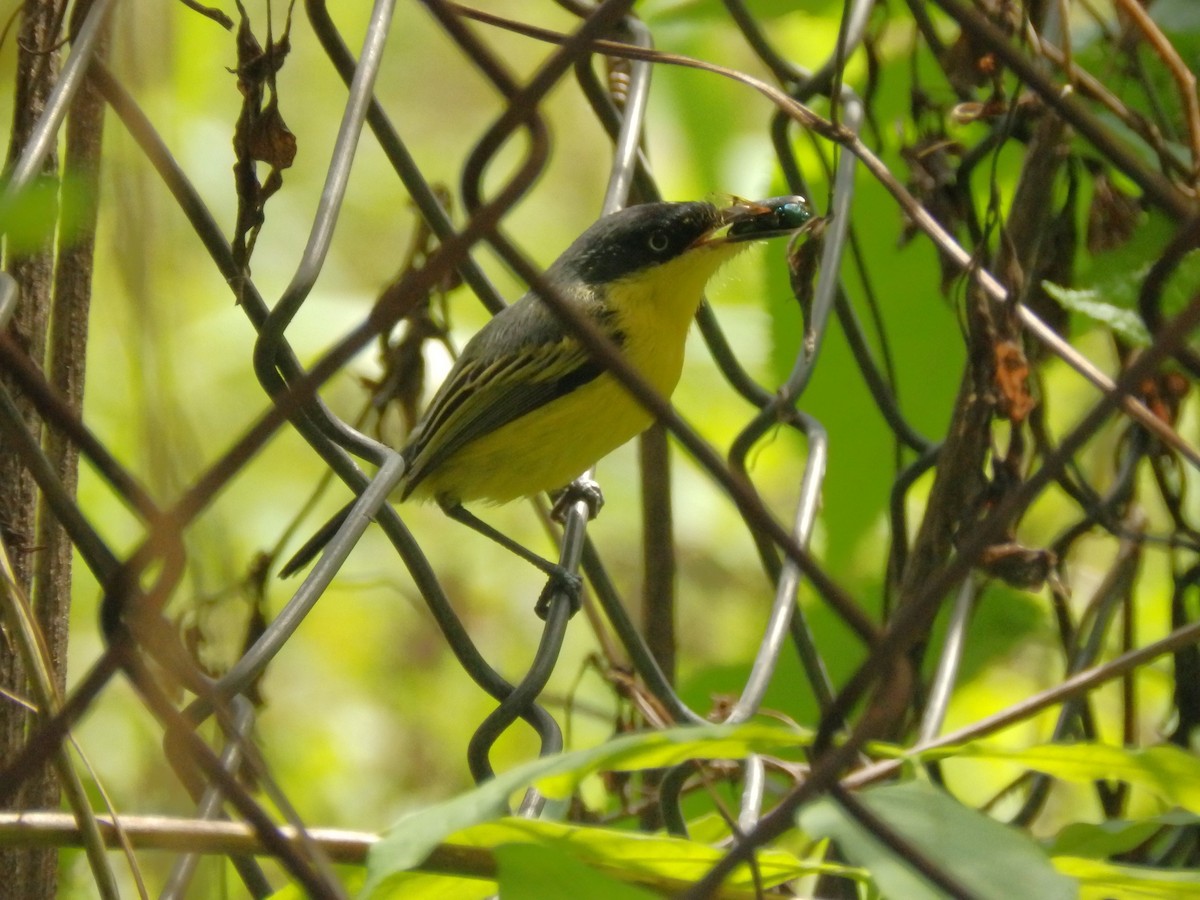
[[1167, 771], [1106, 881], [532, 872], [1116, 275], [410, 841], [46, 207], [655, 859], [1087, 302], [32, 218], [989, 859], [429, 886], [351, 879], [1104, 839], [705, 12], [662, 861]]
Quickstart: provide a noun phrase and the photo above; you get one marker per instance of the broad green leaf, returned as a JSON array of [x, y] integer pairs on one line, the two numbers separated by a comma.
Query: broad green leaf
[[1088, 303], [412, 838], [1103, 839], [989, 859], [652, 858], [1169, 772], [351, 879], [533, 872], [703, 12], [1100, 880], [428, 886], [1116, 275]]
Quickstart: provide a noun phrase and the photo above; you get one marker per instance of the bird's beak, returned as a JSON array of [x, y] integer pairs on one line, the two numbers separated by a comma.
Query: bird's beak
[[754, 220]]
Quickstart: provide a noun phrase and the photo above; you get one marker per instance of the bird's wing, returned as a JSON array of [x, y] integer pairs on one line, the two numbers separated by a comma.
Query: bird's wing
[[487, 390]]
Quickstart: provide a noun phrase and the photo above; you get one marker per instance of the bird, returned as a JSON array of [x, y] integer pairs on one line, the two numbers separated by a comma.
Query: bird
[[525, 408]]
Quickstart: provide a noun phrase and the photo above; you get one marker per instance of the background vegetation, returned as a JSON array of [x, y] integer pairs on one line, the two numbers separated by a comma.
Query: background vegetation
[[992, 543]]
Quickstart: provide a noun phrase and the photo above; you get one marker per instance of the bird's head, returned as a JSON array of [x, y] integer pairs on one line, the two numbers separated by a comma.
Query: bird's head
[[630, 242]]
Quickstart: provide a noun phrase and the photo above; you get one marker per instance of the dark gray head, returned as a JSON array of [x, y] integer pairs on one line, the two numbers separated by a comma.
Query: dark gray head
[[651, 234], [635, 238]]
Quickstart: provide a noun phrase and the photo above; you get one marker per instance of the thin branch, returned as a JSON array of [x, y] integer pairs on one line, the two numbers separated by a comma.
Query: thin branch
[[1185, 79], [55, 829]]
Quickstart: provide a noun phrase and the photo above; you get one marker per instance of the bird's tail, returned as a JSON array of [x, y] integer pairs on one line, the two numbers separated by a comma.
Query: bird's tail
[[316, 543]]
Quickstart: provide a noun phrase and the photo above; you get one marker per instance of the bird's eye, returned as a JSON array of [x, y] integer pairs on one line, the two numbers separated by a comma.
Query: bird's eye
[[659, 241]]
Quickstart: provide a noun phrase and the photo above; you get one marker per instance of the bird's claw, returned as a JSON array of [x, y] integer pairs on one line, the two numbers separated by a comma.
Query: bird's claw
[[584, 489]]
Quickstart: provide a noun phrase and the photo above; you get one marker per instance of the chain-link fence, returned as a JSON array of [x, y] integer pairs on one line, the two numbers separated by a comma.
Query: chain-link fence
[[1035, 163]]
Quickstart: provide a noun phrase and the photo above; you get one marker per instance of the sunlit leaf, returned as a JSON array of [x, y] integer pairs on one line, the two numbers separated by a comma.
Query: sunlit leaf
[[1102, 839], [411, 840], [1167, 771], [1089, 303], [1116, 275], [351, 882], [426, 886], [650, 857], [532, 872], [1100, 880], [629, 856]]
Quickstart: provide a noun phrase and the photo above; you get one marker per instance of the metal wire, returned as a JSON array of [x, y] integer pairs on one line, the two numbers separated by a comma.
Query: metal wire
[[209, 808], [144, 644], [942, 686], [578, 512]]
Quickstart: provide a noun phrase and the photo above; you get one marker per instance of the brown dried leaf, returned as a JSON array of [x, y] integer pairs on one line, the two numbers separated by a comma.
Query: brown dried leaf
[[803, 258], [933, 179], [1017, 565], [1012, 381], [1163, 394], [260, 135], [269, 140], [970, 64], [1113, 216]]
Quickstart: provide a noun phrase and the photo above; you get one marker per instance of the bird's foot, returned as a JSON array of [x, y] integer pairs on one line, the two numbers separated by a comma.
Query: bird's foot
[[584, 489]]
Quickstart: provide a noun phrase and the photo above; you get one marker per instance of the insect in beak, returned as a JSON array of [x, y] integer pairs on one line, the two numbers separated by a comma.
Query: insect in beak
[[752, 220]]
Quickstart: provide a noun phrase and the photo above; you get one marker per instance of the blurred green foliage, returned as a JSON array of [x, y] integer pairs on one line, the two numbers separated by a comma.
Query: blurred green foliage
[[367, 713]]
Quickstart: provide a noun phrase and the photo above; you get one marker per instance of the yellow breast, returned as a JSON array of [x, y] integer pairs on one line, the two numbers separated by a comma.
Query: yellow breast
[[549, 447]]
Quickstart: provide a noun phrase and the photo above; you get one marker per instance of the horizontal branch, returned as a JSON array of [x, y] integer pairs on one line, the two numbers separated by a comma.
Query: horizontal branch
[[58, 829]]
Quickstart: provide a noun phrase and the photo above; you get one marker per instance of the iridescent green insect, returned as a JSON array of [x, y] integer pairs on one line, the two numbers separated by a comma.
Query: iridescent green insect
[[771, 216]]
